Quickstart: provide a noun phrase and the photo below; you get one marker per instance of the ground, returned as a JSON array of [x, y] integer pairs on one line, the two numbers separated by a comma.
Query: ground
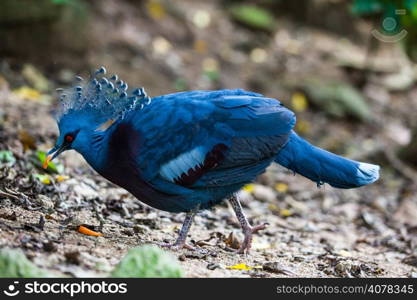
[[313, 232]]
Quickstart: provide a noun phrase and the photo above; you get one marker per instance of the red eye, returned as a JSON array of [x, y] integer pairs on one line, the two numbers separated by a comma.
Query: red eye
[[69, 138]]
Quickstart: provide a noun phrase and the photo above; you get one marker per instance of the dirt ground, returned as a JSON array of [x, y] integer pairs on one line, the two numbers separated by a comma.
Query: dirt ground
[[313, 232]]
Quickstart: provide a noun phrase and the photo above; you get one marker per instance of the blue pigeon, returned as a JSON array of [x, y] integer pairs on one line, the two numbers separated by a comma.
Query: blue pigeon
[[188, 151]]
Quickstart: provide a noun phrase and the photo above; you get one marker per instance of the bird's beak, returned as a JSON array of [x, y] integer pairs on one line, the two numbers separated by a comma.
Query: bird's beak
[[54, 152]]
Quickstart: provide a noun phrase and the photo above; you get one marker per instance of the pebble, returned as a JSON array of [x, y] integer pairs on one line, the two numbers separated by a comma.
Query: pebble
[[264, 193]]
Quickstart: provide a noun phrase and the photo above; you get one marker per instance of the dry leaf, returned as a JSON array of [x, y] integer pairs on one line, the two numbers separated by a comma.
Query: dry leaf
[[281, 187], [299, 102], [243, 267]]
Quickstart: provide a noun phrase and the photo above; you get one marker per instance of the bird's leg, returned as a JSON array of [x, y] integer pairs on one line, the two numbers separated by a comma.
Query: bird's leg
[[180, 242], [248, 230]]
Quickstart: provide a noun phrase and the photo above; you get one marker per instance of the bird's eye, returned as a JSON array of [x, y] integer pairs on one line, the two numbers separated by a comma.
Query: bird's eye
[[69, 138]]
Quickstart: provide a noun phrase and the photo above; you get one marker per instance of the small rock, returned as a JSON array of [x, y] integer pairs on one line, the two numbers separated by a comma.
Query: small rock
[[45, 201], [49, 246], [264, 193], [275, 267], [73, 257], [128, 232], [213, 266], [85, 191], [140, 229], [410, 260]]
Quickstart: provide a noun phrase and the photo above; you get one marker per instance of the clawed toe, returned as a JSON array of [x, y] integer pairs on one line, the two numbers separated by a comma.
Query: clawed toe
[[177, 246], [247, 242], [259, 227]]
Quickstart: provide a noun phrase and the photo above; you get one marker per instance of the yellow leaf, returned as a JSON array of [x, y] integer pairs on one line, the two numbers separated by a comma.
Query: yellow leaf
[[27, 140], [26, 92], [200, 46], [155, 9], [45, 179], [281, 187], [249, 188], [61, 178], [242, 267], [273, 207], [299, 102], [285, 212]]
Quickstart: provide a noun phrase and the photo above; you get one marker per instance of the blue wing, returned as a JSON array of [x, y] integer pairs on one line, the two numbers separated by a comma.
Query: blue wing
[[209, 138]]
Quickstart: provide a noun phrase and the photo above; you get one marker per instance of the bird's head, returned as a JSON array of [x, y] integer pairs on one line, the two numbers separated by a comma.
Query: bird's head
[[88, 110], [78, 131]]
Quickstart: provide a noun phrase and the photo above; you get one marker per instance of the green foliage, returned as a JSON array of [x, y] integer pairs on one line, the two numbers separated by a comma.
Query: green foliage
[[13, 263], [7, 158], [336, 98], [147, 261], [253, 16], [54, 167]]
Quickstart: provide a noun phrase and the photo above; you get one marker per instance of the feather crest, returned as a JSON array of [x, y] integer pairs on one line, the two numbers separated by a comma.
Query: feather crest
[[107, 97]]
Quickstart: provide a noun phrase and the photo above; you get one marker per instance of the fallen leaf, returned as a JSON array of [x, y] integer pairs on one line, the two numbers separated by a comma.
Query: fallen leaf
[[44, 178], [86, 231], [249, 188], [200, 46], [28, 93], [35, 78], [281, 187], [285, 213], [155, 9], [27, 140], [232, 242], [60, 178], [242, 267], [253, 16], [54, 167], [299, 102]]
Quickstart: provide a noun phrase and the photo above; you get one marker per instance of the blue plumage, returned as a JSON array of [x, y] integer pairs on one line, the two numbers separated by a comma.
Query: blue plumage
[[190, 150]]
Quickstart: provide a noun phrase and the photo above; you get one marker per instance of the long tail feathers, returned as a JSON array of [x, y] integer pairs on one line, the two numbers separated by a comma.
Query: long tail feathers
[[322, 166]]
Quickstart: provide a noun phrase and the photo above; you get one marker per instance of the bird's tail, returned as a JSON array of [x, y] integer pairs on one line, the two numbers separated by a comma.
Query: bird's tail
[[322, 166]]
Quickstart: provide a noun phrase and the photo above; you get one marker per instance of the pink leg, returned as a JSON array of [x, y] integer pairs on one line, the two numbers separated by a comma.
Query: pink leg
[[180, 242], [248, 230]]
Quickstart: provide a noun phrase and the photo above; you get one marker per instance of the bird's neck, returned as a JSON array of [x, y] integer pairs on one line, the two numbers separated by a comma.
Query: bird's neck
[[94, 149]]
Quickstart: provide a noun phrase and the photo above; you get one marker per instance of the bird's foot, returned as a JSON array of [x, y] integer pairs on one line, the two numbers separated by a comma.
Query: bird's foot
[[247, 242], [177, 246]]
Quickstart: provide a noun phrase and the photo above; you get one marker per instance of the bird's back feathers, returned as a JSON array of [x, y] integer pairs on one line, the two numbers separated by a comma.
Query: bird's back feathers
[[192, 133]]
